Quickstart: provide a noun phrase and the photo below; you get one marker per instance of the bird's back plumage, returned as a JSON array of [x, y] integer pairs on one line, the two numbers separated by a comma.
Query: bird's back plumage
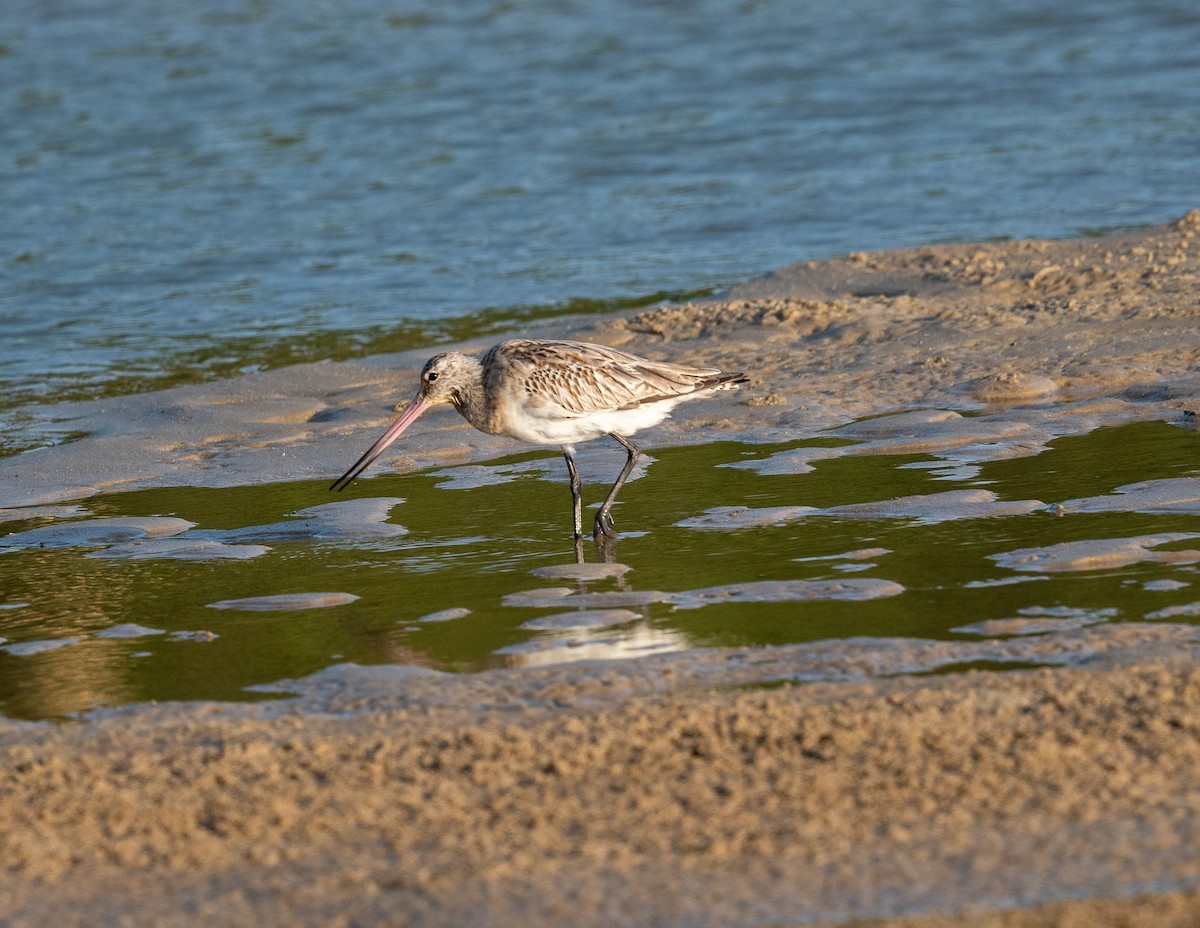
[[583, 379]]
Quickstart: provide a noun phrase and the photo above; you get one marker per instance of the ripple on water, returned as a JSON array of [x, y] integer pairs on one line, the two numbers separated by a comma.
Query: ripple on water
[[1178, 494], [129, 630], [92, 533], [285, 602], [584, 618], [1098, 554], [936, 507], [445, 615], [154, 537], [28, 648], [762, 591], [179, 549], [1038, 620], [779, 591], [1164, 586], [350, 519], [580, 571], [1186, 610]]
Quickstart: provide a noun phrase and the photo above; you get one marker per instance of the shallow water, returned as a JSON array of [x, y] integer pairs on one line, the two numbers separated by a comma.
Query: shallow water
[[470, 568], [195, 188]]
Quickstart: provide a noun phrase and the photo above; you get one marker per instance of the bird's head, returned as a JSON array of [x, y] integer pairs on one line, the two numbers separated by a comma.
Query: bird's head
[[445, 378]]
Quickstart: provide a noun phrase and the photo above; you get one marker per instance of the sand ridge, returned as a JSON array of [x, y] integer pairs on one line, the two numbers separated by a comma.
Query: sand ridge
[[975, 791]]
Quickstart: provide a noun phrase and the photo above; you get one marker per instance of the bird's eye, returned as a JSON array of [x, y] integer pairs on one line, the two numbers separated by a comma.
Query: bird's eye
[[431, 377]]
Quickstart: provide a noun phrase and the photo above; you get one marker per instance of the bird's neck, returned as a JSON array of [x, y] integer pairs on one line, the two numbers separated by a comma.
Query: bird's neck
[[469, 396]]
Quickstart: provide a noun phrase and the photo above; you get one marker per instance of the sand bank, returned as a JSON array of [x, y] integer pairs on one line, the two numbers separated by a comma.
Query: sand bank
[[633, 793], [677, 789], [1091, 332]]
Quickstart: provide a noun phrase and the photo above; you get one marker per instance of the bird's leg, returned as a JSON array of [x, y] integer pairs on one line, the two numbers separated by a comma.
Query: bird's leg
[[576, 491], [606, 549], [604, 521]]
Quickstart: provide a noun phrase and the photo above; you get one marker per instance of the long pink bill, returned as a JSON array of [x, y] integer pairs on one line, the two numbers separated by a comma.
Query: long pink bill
[[415, 408]]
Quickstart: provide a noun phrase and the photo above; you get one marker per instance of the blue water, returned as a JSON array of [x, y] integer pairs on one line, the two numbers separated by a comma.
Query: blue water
[[180, 180]]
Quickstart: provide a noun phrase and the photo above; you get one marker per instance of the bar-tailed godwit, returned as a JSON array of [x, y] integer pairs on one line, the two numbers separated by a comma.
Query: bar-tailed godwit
[[555, 393]]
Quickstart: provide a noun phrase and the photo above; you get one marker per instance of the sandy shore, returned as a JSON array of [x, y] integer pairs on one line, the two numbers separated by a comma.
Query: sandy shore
[[672, 790]]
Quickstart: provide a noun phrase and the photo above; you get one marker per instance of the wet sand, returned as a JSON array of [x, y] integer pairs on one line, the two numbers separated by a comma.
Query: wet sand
[[684, 789]]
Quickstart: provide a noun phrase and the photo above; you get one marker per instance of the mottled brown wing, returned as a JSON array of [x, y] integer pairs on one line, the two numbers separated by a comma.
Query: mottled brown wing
[[584, 378]]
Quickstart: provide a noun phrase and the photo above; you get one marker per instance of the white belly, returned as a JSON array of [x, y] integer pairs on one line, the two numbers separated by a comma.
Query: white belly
[[551, 425]]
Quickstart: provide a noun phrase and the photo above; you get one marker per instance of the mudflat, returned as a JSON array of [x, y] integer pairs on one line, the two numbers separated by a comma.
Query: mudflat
[[685, 789]]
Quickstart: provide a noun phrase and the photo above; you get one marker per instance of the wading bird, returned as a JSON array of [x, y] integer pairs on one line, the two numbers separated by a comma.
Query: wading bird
[[555, 393]]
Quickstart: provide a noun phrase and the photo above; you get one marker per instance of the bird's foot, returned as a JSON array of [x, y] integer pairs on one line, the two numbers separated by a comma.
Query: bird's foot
[[606, 549], [605, 528]]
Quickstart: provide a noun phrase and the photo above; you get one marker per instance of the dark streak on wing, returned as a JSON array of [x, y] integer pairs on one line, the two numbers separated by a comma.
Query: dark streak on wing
[[584, 378]]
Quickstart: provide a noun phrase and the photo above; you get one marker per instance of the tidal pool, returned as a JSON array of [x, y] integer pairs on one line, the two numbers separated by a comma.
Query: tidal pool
[[186, 593]]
